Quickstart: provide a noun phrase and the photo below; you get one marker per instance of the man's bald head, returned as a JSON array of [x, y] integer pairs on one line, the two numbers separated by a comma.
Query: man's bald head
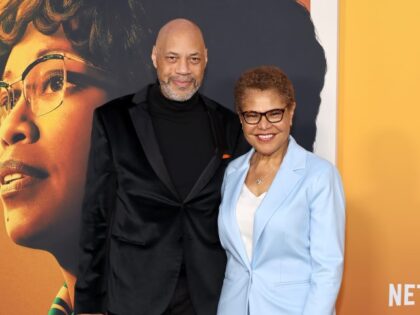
[[180, 58], [179, 26]]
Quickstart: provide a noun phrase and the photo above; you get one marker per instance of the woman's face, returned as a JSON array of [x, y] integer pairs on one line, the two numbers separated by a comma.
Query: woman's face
[[265, 137], [43, 159]]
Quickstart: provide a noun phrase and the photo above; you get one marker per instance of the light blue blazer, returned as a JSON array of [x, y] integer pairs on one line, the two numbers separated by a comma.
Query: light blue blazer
[[298, 240]]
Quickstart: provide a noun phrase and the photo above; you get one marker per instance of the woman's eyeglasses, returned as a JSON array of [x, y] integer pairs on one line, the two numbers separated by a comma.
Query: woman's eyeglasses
[[44, 82], [273, 116]]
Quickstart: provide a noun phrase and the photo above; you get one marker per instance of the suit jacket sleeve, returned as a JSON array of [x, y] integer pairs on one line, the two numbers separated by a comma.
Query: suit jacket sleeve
[[327, 228], [98, 203]]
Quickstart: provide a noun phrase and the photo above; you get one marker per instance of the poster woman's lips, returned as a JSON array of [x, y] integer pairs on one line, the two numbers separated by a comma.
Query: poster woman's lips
[[16, 175]]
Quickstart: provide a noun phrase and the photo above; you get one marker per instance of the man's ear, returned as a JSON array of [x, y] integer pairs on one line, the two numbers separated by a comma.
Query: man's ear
[[206, 56], [154, 56]]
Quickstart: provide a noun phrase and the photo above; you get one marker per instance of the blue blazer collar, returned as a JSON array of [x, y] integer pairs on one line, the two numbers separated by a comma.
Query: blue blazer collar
[[283, 183]]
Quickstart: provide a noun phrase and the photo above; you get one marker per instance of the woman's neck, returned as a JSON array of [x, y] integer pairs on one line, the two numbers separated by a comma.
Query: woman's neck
[[273, 160], [262, 170]]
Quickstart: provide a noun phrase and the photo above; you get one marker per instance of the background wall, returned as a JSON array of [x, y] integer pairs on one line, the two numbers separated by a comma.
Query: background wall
[[30, 279], [379, 153], [378, 156]]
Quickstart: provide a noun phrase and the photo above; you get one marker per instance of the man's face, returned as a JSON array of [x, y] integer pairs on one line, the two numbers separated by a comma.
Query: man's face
[[180, 59]]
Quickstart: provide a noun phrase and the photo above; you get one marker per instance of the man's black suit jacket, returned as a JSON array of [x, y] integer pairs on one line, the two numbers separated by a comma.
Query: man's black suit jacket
[[135, 228]]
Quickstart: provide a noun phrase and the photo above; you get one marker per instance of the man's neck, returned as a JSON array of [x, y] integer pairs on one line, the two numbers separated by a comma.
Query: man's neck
[[158, 98]]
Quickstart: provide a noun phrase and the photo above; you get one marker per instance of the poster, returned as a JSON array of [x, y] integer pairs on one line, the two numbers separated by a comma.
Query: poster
[[94, 51]]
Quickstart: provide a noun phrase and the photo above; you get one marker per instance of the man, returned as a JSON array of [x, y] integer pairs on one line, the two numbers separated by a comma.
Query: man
[[149, 224]]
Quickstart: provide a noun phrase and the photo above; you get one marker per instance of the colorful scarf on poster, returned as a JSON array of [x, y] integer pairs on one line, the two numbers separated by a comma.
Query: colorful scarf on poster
[[61, 304]]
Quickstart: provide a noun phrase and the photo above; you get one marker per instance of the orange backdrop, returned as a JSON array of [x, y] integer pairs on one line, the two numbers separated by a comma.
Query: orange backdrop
[[379, 153], [378, 156]]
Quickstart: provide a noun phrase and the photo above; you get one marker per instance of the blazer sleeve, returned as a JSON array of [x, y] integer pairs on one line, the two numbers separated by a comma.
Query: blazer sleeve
[[327, 230], [98, 203]]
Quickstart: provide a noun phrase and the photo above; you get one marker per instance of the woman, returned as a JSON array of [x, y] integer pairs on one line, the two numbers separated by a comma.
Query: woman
[[59, 60], [281, 219]]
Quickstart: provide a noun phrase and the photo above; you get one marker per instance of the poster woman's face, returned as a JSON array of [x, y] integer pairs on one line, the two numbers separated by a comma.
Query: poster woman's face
[[43, 158]]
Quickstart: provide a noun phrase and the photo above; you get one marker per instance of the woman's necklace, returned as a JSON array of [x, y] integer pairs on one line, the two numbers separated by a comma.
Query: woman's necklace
[[260, 179]]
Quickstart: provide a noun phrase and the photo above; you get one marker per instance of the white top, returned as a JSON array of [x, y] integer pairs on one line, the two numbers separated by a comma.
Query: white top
[[247, 204]]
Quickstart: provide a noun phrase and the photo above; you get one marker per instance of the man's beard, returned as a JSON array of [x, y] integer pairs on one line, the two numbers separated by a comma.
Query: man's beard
[[173, 95]]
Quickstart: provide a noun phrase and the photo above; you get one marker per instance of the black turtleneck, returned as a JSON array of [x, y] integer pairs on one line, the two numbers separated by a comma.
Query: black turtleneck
[[184, 136]]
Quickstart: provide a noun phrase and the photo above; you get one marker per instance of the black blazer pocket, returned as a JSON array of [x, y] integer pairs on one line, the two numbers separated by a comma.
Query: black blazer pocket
[[133, 240], [145, 236], [134, 231]]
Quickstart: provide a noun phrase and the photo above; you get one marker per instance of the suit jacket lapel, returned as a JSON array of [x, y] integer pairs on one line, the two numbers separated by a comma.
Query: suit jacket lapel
[[233, 189], [144, 129], [218, 132], [146, 134], [283, 183]]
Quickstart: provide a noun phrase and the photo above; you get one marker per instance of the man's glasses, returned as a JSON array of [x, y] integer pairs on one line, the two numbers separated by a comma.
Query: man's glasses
[[273, 116], [44, 82]]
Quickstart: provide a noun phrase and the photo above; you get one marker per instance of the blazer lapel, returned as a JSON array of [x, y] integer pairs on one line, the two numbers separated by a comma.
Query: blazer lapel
[[218, 132], [233, 189], [284, 182], [144, 129]]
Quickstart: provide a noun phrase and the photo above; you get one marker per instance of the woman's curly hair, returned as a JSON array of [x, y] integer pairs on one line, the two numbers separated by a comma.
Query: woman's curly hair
[[107, 33], [264, 78]]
